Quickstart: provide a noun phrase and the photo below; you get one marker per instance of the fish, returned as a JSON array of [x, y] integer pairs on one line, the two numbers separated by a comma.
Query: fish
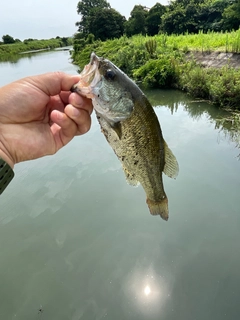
[[131, 127]]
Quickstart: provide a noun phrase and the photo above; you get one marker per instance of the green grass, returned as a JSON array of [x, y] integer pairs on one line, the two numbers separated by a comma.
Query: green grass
[[160, 62], [205, 42]]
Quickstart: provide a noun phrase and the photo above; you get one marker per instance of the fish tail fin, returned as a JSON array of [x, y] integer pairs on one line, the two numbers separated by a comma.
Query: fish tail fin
[[158, 207]]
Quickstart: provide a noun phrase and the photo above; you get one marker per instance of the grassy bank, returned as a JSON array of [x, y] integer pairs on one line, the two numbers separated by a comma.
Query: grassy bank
[[160, 62], [8, 51]]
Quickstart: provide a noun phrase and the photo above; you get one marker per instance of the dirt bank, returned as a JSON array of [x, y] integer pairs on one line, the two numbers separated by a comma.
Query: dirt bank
[[216, 59]]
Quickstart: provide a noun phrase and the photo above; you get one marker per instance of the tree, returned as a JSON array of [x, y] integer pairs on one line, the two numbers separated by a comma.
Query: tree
[[231, 15], [210, 16], [7, 39], [87, 8], [182, 16], [174, 20], [106, 24], [195, 15], [136, 24], [154, 19]]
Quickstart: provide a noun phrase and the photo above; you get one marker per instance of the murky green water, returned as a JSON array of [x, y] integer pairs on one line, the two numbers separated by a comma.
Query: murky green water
[[77, 242]]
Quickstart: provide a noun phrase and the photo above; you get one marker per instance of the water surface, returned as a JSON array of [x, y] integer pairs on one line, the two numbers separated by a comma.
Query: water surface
[[77, 242]]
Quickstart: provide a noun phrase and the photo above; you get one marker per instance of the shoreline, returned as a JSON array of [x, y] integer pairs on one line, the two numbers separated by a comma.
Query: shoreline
[[216, 59]]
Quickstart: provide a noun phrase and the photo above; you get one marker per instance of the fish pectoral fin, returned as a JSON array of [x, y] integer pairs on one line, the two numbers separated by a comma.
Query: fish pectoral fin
[[116, 126], [171, 167], [130, 178]]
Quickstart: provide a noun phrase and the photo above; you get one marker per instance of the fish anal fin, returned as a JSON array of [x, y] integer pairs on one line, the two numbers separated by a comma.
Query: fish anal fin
[[130, 178], [158, 208], [171, 167]]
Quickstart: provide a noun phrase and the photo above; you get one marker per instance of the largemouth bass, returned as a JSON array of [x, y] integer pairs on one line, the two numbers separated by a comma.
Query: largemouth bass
[[131, 127]]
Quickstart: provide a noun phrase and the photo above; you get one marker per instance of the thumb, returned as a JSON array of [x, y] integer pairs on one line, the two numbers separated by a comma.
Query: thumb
[[53, 83]]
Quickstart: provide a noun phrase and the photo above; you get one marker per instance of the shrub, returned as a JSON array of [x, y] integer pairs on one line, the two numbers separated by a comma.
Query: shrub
[[224, 89], [157, 73], [194, 80]]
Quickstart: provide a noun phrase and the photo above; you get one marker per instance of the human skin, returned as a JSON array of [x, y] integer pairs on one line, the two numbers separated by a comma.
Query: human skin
[[39, 115]]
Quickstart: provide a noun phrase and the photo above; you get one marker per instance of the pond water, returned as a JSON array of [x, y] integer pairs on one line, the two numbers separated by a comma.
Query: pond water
[[77, 242]]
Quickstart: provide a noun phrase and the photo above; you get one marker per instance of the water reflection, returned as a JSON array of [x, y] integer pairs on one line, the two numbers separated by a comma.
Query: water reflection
[[225, 121], [78, 242], [14, 58], [230, 126], [147, 291]]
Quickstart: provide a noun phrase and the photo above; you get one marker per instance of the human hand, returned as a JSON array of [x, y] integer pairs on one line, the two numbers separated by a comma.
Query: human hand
[[39, 115]]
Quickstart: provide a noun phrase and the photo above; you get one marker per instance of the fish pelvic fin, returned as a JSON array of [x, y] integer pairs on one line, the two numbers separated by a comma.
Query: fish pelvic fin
[[158, 208], [171, 167]]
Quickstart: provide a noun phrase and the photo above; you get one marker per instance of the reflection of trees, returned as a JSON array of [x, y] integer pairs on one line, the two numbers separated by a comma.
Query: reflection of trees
[[171, 99], [224, 121], [12, 58], [230, 126]]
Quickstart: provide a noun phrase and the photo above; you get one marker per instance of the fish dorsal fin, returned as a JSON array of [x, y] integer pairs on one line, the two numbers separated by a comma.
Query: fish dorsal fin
[[171, 165]]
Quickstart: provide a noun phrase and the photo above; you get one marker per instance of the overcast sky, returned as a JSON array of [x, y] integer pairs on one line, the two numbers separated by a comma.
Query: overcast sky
[[44, 19]]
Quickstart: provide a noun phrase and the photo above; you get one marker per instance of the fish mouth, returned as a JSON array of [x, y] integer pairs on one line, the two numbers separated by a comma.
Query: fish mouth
[[89, 77]]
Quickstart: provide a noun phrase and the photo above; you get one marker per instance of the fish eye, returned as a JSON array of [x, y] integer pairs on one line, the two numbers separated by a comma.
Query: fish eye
[[110, 74]]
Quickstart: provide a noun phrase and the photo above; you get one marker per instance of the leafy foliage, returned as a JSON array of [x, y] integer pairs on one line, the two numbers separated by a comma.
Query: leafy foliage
[[154, 19], [88, 9], [107, 24], [136, 24], [11, 51], [195, 15], [179, 17], [7, 39], [231, 15], [151, 46], [162, 63], [159, 73]]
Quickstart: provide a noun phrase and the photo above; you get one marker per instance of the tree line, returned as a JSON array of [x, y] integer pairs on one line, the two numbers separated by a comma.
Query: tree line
[[7, 39], [103, 22]]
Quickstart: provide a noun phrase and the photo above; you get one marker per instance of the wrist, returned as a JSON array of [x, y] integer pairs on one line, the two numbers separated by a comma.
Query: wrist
[[6, 158]]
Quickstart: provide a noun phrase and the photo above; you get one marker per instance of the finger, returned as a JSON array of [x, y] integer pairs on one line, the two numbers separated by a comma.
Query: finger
[[55, 103], [64, 95], [80, 116], [81, 102], [66, 128], [53, 83]]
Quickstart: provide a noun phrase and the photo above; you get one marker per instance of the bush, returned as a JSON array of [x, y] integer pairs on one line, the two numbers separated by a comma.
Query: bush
[[168, 66], [224, 89], [158, 73], [194, 80]]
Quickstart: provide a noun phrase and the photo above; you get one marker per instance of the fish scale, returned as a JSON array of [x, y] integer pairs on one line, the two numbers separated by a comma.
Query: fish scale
[[131, 127]]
